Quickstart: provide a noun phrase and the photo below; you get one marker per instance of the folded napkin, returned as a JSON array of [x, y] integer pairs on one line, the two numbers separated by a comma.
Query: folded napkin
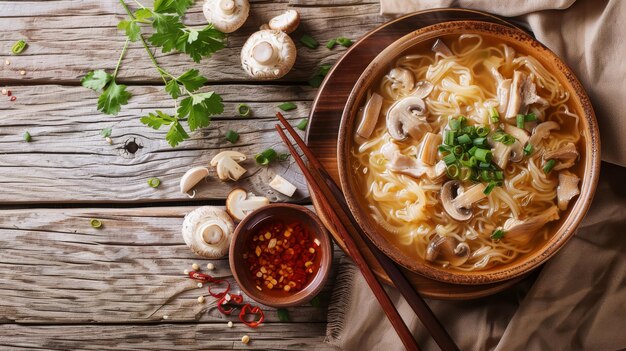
[[587, 34], [577, 302]]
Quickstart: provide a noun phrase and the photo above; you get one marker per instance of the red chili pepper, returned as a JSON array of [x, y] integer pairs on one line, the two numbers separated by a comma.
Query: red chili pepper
[[223, 302], [9, 93], [236, 298], [13, 98], [248, 310], [220, 294], [201, 277]]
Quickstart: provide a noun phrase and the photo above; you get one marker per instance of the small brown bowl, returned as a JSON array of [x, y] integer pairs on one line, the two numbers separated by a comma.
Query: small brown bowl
[[250, 224]]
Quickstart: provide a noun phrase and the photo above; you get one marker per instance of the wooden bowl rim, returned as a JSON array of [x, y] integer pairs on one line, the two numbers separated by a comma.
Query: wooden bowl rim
[[591, 160], [318, 281]]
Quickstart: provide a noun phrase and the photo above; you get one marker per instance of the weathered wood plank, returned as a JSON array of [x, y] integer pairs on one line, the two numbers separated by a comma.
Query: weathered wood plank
[[56, 269], [68, 160], [69, 38], [289, 336]]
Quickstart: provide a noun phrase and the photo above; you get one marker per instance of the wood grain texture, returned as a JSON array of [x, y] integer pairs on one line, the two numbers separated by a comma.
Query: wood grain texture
[[56, 269], [166, 336], [67, 39], [69, 161]]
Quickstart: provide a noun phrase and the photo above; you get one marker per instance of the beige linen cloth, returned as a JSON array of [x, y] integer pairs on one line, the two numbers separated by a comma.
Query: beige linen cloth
[[578, 300]]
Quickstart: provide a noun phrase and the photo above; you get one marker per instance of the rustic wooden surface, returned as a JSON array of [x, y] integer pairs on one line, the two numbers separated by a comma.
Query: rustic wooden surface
[[65, 285]]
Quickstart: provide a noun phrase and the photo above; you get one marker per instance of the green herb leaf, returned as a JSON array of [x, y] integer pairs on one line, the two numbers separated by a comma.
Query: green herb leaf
[[207, 41], [176, 134], [287, 106], [112, 98], [192, 80], [172, 6], [309, 41], [142, 14], [302, 124], [106, 132], [131, 28], [27, 137], [95, 223], [154, 182], [199, 109], [547, 168], [265, 157], [173, 88], [232, 136], [168, 31], [283, 315], [96, 80], [497, 234], [243, 110], [18, 47], [155, 121]]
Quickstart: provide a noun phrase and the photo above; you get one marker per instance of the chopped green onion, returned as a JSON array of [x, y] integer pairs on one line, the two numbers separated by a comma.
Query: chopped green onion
[[455, 124], [489, 188], [283, 315], [449, 138], [473, 161], [309, 41], [453, 171], [482, 141], [96, 223], [457, 150], [154, 182], [472, 150], [498, 135], [316, 81], [232, 136], [331, 44], [495, 116], [27, 137], [507, 139], [287, 106], [323, 69], [484, 165], [466, 173], [547, 168], [531, 117], [482, 131], [18, 47], [499, 175], [243, 110], [449, 159], [464, 139], [497, 234], [302, 124], [265, 157], [444, 148], [462, 119], [283, 157], [483, 155], [345, 42], [520, 121], [528, 149]]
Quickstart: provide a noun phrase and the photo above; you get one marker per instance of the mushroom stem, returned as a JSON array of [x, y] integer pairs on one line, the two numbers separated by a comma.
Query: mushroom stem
[[264, 53], [469, 196], [211, 233], [228, 6]]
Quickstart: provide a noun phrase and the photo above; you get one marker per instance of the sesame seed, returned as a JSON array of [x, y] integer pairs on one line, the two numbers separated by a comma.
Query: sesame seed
[[201, 299], [245, 339], [7, 62], [195, 266], [199, 285], [230, 324], [22, 72], [186, 272], [210, 266], [166, 317]]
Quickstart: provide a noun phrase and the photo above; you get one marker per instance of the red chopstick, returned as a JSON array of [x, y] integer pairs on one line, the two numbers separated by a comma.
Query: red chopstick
[[424, 313]]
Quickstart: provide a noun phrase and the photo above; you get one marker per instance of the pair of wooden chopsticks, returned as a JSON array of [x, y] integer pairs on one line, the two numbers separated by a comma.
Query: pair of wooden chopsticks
[[334, 207]]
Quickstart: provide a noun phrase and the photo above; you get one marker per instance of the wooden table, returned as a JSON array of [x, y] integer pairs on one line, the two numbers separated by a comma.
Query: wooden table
[[65, 285]]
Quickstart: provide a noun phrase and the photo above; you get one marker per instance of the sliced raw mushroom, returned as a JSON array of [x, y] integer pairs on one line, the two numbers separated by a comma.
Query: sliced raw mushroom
[[226, 15], [401, 79], [281, 185], [239, 203], [429, 148], [448, 249], [515, 95], [567, 188], [226, 165], [192, 177], [423, 88], [522, 230], [286, 22], [407, 117], [457, 202], [207, 231], [440, 48], [268, 54], [370, 116]]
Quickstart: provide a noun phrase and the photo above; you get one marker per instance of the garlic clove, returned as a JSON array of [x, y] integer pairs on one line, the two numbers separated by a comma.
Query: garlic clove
[[281, 185], [192, 177]]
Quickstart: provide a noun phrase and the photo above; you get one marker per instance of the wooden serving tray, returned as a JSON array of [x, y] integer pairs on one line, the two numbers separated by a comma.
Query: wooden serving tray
[[323, 129]]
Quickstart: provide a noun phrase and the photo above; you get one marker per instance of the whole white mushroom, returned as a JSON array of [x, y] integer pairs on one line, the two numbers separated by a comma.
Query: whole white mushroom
[[226, 15], [207, 231], [268, 54]]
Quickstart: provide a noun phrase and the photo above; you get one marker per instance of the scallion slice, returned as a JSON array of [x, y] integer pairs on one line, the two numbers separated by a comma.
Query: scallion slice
[[495, 116], [497, 234], [484, 165], [287, 106], [302, 124], [345, 42], [531, 117], [331, 44], [449, 159], [472, 150], [464, 139], [454, 123], [95, 223], [489, 188], [482, 131], [18, 47], [450, 138], [154, 182], [309, 41], [482, 141], [265, 157], [232, 136], [499, 175], [453, 171], [528, 149], [458, 150], [547, 168], [243, 110], [483, 155], [520, 119], [507, 139], [466, 173]]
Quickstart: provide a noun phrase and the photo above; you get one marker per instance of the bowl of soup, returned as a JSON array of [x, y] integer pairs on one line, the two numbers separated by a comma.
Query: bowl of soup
[[468, 152]]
